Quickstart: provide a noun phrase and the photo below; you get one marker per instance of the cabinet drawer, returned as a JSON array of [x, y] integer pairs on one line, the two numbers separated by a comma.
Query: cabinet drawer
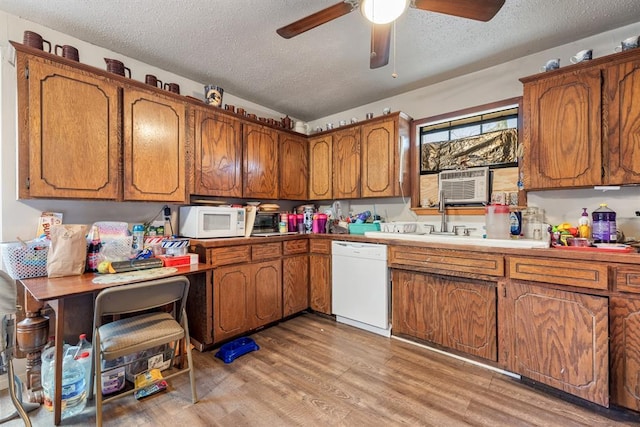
[[229, 255], [296, 247], [266, 251], [447, 261], [627, 278], [320, 246], [570, 273]]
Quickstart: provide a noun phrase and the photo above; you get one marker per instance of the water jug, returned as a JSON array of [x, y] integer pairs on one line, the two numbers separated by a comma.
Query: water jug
[[497, 222]]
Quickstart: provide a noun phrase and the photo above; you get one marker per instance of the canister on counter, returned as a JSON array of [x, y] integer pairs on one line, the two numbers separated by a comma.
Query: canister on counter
[[283, 224]]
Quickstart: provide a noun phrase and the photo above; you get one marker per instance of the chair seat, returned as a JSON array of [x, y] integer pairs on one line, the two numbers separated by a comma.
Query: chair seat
[[133, 334]]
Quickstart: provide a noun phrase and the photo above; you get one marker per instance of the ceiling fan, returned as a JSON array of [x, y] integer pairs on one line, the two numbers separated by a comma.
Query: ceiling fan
[[480, 10]]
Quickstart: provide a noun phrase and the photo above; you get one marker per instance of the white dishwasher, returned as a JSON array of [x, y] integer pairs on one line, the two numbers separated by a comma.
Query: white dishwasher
[[360, 286]]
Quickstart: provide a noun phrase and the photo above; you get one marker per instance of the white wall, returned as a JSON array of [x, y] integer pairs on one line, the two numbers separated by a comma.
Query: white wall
[[501, 82], [19, 217]]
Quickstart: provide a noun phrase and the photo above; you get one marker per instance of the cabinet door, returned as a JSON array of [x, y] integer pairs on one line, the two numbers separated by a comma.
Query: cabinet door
[[231, 296], [456, 313], [415, 306], [155, 157], [622, 90], [295, 283], [260, 153], [625, 352], [320, 283], [218, 154], [321, 167], [73, 128], [346, 163], [379, 147], [293, 167], [266, 279], [557, 338], [562, 131]]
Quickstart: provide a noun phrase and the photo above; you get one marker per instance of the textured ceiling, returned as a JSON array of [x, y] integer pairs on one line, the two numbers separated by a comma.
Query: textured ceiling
[[233, 43]]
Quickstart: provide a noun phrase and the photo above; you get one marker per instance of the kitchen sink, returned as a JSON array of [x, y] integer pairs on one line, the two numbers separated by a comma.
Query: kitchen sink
[[461, 240]]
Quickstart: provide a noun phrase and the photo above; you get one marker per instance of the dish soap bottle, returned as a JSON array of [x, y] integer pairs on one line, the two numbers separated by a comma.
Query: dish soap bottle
[[584, 226], [604, 225]]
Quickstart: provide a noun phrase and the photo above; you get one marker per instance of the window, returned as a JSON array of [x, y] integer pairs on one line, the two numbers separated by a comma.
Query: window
[[487, 138]]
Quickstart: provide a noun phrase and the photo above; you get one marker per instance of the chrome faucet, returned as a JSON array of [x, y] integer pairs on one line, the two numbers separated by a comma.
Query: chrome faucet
[[442, 208]]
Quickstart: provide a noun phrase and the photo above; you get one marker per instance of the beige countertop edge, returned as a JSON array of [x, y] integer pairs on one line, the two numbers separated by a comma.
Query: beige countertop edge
[[577, 255]]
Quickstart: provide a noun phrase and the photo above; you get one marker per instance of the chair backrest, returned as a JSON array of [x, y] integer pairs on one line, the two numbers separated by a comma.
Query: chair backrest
[[8, 295], [142, 296]]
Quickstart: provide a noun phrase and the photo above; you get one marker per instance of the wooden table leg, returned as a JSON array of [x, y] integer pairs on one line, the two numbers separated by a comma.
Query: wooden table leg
[[58, 306]]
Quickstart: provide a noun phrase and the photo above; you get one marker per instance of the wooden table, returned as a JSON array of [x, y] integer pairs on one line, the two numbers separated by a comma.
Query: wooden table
[[54, 292]]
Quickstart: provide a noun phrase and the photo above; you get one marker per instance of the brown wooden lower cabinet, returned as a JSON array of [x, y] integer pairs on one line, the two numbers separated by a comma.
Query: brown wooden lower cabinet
[[231, 296], [625, 351], [295, 284], [556, 337], [452, 312], [320, 276]]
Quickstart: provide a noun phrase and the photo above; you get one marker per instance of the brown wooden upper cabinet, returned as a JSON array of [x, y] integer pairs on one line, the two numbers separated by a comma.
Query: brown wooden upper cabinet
[[294, 170], [218, 154], [385, 159], [369, 159], [321, 167], [260, 154], [155, 155], [346, 163], [68, 132], [580, 124], [86, 134]]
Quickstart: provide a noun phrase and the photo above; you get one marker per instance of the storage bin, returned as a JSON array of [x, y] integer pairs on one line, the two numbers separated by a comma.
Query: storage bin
[[361, 228], [398, 227], [24, 260]]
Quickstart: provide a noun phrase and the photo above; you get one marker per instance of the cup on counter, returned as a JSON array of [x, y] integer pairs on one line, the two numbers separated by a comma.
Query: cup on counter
[[552, 64], [67, 51], [33, 39], [628, 43], [583, 55], [172, 87], [152, 80], [117, 67]]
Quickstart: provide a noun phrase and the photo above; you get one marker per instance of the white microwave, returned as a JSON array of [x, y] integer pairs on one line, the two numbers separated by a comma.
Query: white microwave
[[207, 222]]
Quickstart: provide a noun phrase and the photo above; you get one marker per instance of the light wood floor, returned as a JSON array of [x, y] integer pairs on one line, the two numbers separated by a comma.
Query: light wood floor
[[311, 371]]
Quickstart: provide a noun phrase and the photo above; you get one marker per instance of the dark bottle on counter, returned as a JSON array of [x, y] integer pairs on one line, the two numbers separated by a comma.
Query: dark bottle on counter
[[93, 250]]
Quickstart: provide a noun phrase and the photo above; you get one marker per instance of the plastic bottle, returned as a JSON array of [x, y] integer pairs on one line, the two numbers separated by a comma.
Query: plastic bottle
[[46, 376], [584, 225], [604, 225], [138, 238], [83, 353], [497, 222], [93, 251], [74, 396]]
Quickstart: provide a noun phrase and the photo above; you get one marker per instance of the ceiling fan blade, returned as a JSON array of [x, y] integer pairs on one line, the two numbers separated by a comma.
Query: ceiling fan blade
[[318, 18], [480, 10], [380, 45]]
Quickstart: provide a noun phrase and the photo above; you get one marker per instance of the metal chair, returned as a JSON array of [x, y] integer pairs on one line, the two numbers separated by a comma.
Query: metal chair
[[8, 308], [142, 331]]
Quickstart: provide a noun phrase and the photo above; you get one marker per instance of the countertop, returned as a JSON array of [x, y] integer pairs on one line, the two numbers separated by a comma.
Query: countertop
[[578, 255]]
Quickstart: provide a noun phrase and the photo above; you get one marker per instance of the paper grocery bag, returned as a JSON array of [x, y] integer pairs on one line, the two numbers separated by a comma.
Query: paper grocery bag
[[68, 250]]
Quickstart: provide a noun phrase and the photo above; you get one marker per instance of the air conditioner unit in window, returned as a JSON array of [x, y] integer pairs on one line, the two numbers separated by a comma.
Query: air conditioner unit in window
[[464, 186]]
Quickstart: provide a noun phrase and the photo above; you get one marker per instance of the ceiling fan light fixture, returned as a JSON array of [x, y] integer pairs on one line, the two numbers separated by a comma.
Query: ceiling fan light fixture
[[383, 11]]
